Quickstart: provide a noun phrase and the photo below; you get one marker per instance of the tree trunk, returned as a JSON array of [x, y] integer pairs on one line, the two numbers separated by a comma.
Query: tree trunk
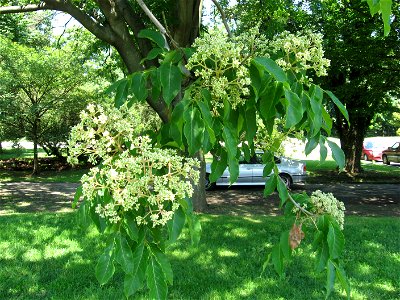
[[1, 148], [199, 193], [35, 149], [35, 158], [351, 140]]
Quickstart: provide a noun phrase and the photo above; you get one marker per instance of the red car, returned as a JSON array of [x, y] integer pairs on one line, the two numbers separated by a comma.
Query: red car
[[372, 150]]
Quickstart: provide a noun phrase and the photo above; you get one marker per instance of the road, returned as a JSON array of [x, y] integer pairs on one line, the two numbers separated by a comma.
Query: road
[[359, 199]]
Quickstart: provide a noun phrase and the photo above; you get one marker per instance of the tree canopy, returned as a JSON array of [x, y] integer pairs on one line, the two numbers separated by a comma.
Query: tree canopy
[[134, 195]]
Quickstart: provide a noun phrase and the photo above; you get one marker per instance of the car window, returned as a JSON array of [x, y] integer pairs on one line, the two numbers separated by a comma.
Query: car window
[[369, 145], [396, 145]]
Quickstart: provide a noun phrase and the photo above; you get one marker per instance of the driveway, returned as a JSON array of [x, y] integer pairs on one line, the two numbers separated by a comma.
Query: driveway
[[359, 199]]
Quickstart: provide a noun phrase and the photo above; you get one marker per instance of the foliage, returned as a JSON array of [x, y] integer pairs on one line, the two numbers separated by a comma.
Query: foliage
[[204, 117], [133, 195], [184, 103], [363, 71], [43, 91]]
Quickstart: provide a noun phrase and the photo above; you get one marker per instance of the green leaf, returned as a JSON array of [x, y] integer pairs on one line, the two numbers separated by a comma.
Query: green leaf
[[155, 83], [311, 144], [231, 143], [270, 185], [322, 257], [84, 219], [335, 240], [374, 6], [251, 123], [130, 226], [171, 79], [154, 36], [316, 115], [282, 190], [294, 109], [330, 278], [138, 85], [122, 93], [328, 121], [77, 196], [155, 52], [194, 228], [318, 237], [156, 279], [271, 66], [337, 154], [105, 266], [218, 165], [164, 263], [205, 112], [193, 129], [386, 9], [134, 281], [175, 225], [341, 275], [323, 223], [123, 254], [267, 102], [323, 151], [284, 244], [277, 260], [340, 105]]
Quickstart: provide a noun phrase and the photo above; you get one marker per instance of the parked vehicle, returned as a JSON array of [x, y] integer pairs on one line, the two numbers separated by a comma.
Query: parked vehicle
[[373, 147], [251, 173], [391, 154], [372, 150]]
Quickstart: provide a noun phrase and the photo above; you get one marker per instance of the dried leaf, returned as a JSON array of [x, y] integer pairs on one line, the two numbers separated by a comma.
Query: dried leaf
[[295, 236]]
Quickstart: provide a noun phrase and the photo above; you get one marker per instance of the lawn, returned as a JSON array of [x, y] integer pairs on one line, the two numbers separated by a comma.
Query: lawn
[[45, 256]]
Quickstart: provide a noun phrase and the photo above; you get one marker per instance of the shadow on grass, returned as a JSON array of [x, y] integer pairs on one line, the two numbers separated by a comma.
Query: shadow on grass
[[45, 256]]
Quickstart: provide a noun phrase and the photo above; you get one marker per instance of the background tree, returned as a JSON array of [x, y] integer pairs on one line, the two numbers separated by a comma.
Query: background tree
[[44, 90], [364, 70]]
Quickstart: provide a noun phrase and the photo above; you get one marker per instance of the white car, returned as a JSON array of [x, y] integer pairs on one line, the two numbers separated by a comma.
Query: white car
[[251, 173]]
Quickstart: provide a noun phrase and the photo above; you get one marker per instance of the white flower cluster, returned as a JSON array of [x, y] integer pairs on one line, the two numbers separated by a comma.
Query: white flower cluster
[[102, 132], [300, 52], [138, 177], [221, 65], [326, 203]]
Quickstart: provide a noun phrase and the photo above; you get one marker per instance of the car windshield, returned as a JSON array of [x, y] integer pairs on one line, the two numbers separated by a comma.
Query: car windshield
[[372, 145]]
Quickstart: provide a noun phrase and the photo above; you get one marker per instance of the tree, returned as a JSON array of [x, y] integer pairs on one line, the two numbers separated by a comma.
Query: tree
[[43, 91], [119, 23], [364, 70], [211, 108]]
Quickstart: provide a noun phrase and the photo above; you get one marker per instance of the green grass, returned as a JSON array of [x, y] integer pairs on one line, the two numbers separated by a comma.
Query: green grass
[[20, 153], [73, 175], [45, 256], [372, 173]]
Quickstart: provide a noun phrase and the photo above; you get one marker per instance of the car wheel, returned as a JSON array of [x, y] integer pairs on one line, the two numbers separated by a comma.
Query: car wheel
[[365, 157], [385, 160], [287, 180], [208, 184]]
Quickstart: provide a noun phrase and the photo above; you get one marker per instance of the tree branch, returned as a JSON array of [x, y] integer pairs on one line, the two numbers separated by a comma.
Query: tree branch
[[102, 32], [157, 23], [23, 8], [223, 17]]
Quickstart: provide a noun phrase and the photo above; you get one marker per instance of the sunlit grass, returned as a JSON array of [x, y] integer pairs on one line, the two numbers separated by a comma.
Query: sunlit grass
[[47, 256], [20, 153], [71, 175]]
